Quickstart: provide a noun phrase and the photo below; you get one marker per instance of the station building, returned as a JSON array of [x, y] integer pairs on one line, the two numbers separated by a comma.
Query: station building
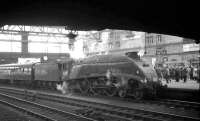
[[170, 50]]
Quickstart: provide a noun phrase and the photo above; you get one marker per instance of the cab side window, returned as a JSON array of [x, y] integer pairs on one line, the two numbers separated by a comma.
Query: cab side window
[[59, 66], [64, 66]]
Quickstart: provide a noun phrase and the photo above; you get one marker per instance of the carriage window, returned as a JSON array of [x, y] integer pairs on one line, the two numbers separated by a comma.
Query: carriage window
[[63, 66]]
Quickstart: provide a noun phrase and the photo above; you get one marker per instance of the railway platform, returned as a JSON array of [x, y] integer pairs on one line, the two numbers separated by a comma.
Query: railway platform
[[181, 90], [189, 84]]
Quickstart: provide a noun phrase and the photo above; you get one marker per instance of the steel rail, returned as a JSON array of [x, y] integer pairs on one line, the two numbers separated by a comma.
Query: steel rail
[[37, 115], [66, 114]]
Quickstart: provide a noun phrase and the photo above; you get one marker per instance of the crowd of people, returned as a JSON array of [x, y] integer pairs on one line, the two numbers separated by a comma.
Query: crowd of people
[[177, 73]]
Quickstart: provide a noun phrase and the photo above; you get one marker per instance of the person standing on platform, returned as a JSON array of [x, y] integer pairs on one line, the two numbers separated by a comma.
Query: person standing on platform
[[171, 69], [165, 74], [188, 72], [168, 75], [162, 73], [198, 74], [180, 73], [159, 73], [185, 74], [177, 74], [174, 73], [191, 72], [195, 73]]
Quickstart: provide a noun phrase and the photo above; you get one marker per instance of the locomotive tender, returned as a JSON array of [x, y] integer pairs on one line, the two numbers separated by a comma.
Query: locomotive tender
[[112, 75]]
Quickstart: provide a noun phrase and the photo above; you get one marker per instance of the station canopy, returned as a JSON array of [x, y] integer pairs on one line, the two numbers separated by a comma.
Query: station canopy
[[179, 18]]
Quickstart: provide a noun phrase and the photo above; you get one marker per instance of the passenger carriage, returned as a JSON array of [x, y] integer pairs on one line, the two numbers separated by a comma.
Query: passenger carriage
[[44, 75]]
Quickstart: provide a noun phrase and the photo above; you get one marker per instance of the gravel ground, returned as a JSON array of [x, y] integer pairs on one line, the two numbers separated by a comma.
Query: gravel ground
[[10, 114]]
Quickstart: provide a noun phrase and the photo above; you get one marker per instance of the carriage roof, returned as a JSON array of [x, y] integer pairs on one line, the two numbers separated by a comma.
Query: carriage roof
[[14, 66]]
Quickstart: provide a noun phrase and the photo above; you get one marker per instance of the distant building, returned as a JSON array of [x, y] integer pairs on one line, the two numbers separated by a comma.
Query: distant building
[[158, 49], [167, 49], [114, 42], [191, 52]]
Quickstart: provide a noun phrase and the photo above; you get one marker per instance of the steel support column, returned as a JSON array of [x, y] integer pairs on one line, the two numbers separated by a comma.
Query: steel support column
[[24, 44]]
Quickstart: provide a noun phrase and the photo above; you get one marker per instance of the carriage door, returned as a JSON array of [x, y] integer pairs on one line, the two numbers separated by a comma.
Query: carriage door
[[64, 70], [69, 67], [32, 73], [60, 71]]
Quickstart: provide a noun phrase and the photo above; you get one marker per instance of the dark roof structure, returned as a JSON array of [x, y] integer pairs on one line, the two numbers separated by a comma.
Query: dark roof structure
[[172, 17]]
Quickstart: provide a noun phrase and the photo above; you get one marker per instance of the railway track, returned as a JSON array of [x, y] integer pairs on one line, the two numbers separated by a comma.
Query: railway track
[[179, 104], [96, 116], [186, 105], [126, 113], [39, 116], [40, 111]]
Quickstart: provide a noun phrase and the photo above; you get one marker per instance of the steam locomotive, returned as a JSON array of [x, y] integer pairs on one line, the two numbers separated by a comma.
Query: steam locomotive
[[112, 75], [108, 75]]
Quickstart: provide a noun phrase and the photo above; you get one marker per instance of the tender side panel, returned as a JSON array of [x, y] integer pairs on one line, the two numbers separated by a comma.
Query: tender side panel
[[47, 72]]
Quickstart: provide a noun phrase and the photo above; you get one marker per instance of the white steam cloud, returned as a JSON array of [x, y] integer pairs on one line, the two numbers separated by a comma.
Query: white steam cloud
[[64, 88]]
